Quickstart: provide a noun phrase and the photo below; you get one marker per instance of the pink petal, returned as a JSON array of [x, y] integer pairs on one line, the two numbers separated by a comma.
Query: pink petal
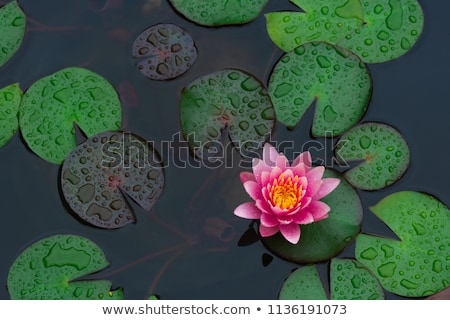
[[263, 206], [282, 162], [253, 189], [258, 168], [288, 173], [247, 210], [306, 201], [291, 232], [269, 220], [318, 209], [299, 169], [304, 158], [314, 177], [327, 186], [275, 173], [303, 217], [246, 176], [265, 178], [267, 231]]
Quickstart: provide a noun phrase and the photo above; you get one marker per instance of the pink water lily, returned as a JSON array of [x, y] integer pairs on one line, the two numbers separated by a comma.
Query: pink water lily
[[286, 195]]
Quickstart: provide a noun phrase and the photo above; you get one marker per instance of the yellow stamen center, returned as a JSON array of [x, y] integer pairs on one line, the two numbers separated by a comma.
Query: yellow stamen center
[[285, 193]]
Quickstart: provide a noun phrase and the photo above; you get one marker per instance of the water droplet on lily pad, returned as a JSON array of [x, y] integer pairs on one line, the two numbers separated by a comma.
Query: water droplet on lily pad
[[119, 164], [225, 100], [219, 12], [12, 30], [383, 149], [164, 51], [50, 270], [400, 264], [50, 107], [293, 87]]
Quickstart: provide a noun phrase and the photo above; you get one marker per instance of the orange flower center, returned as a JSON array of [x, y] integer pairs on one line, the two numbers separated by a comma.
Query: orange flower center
[[285, 193]]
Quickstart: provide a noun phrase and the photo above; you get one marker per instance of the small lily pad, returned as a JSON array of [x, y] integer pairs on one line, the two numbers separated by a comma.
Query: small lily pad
[[219, 12], [49, 269], [418, 264], [390, 29], [12, 30], [349, 280], [164, 51], [327, 21], [325, 239], [97, 173], [10, 97], [382, 148], [336, 79], [52, 105], [303, 284], [230, 99], [377, 31]]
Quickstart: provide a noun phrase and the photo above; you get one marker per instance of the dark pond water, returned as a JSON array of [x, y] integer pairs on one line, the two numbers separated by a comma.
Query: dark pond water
[[168, 251]]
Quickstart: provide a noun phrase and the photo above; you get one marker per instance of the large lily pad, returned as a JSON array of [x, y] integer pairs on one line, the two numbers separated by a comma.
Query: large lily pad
[[10, 97], [230, 99], [335, 79], [52, 105], [377, 31], [419, 263], [164, 51], [323, 240], [97, 173], [12, 30], [219, 12], [49, 268], [349, 280], [382, 148]]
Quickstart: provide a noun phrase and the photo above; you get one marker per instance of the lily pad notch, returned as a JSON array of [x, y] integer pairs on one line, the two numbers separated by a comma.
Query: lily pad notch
[[377, 31], [49, 269], [226, 100], [98, 173], [334, 78], [52, 105]]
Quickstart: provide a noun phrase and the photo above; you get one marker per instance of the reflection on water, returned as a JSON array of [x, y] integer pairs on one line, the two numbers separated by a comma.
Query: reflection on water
[[186, 247]]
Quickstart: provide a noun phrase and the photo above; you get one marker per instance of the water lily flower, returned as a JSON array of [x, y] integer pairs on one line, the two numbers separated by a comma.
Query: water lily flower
[[285, 195]]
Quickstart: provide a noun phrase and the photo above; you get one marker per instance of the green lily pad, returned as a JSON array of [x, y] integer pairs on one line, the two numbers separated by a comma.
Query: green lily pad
[[49, 269], [325, 239], [12, 30], [10, 97], [164, 51], [219, 12], [97, 173], [327, 21], [382, 148], [390, 29], [336, 79], [418, 264], [303, 284], [349, 280], [377, 31], [230, 99], [52, 105]]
